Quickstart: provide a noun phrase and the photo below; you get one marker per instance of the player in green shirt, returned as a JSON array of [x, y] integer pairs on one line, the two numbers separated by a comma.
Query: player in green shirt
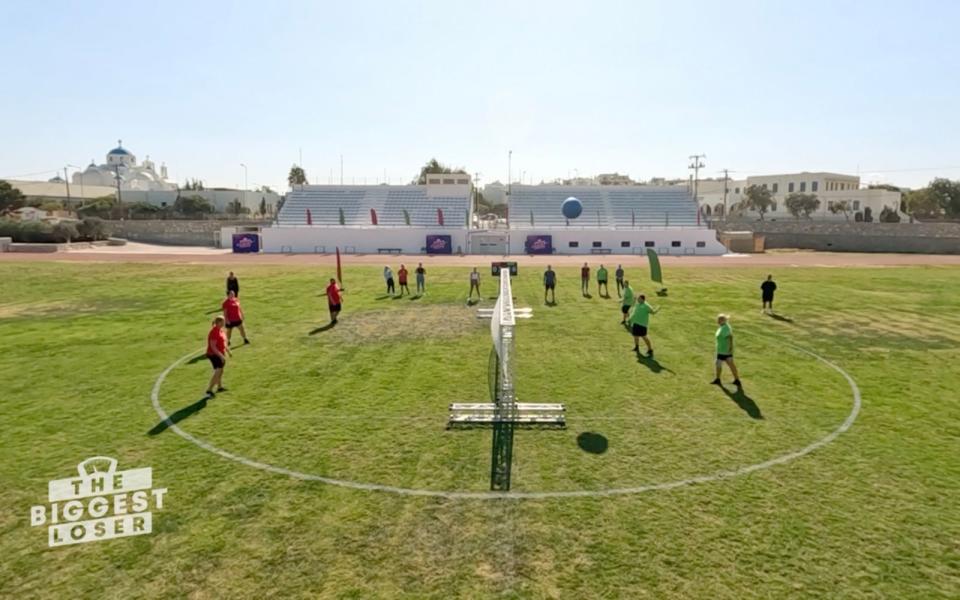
[[627, 301], [639, 321], [724, 337], [602, 281]]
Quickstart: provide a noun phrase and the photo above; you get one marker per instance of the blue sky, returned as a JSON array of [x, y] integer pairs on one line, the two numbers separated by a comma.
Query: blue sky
[[634, 87]]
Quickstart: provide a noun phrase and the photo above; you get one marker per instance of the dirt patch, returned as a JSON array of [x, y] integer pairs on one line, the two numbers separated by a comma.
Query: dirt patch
[[432, 321]]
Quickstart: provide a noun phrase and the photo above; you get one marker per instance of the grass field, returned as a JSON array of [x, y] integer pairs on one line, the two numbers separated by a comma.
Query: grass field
[[874, 514]]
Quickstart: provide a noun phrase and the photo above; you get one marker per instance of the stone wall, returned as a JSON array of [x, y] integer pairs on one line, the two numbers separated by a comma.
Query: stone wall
[[175, 232], [921, 238]]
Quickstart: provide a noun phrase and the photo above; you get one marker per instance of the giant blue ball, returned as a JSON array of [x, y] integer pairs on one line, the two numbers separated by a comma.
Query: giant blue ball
[[571, 208]]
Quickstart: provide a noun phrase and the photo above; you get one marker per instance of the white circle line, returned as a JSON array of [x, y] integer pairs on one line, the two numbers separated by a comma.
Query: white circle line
[[454, 495]]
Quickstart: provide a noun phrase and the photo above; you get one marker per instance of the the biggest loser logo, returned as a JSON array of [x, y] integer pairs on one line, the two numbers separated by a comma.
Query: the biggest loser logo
[[99, 504]]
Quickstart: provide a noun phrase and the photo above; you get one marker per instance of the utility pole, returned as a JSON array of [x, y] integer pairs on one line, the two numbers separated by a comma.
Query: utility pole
[[726, 178], [244, 193], [509, 183], [66, 182], [696, 164]]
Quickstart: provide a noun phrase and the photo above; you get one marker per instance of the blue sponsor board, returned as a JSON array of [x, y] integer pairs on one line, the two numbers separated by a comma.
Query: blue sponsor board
[[539, 244], [439, 244], [246, 242]]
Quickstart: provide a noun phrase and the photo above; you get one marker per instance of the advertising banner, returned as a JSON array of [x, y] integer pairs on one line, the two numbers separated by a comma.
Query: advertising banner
[[439, 244], [539, 244], [246, 242]]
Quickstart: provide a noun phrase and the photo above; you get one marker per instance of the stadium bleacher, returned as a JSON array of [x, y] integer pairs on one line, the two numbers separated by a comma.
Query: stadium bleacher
[[605, 207], [617, 207], [389, 202]]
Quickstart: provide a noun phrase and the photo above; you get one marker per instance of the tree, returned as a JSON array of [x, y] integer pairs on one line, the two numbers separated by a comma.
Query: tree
[[192, 205], [802, 204], [11, 198], [194, 185], [758, 198], [98, 207], [840, 206], [923, 203], [237, 208], [867, 214], [434, 166], [65, 232], [947, 195], [265, 189], [263, 206], [297, 176], [888, 215], [883, 186]]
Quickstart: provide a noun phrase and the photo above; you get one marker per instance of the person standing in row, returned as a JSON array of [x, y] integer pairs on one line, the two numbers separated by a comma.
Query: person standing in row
[[549, 284], [334, 299], [421, 279], [474, 284], [724, 336], [627, 302], [602, 281], [217, 355], [618, 274], [767, 288], [233, 284], [639, 322], [388, 277], [402, 279], [585, 279], [234, 314]]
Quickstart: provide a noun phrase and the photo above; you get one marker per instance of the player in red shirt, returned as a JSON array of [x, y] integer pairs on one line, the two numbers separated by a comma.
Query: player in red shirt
[[585, 279], [234, 314], [217, 354], [402, 275], [334, 298]]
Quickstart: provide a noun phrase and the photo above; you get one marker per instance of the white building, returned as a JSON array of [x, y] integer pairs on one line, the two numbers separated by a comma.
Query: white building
[[828, 187], [123, 164]]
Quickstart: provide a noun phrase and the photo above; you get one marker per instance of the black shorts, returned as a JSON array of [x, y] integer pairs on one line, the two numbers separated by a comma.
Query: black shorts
[[216, 361], [768, 299], [722, 357], [550, 286], [625, 309], [639, 330], [334, 308], [232, 324]]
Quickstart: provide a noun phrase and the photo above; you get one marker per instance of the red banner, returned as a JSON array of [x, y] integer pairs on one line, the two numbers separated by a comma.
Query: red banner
[[373, 216], [440, 217], [309, 217]]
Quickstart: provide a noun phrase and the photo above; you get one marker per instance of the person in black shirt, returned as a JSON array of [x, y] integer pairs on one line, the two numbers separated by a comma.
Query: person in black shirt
[[233, 284], [767, 288], [619, 276], [421, 279]]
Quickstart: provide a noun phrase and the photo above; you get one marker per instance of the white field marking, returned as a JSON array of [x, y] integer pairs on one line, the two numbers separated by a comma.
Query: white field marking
[[456, 495]]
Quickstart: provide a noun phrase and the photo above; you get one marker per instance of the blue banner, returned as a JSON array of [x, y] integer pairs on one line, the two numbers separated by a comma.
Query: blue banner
[[246, 242], [439, 244], [539, 244]]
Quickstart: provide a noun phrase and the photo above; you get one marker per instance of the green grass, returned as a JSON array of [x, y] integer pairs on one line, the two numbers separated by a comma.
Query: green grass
[[872, 515]]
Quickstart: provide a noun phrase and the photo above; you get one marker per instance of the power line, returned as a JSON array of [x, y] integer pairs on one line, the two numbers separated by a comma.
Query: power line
[[31, 174]]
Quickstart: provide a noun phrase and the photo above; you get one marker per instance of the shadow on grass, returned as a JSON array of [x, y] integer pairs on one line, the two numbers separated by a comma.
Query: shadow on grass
[[744, 401], [594, 443], [178, 416], [384, 297], [214, 311], [416, 297], [196, 359], [400, 297], [588, 296], [783, 318], [323, 328], [473, 302], [550, 303], [652, 363], [662, 292]]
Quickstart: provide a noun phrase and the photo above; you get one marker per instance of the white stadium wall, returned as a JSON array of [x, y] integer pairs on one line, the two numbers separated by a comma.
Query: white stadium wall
[[412, 240], [357, 240], [664, 240]]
